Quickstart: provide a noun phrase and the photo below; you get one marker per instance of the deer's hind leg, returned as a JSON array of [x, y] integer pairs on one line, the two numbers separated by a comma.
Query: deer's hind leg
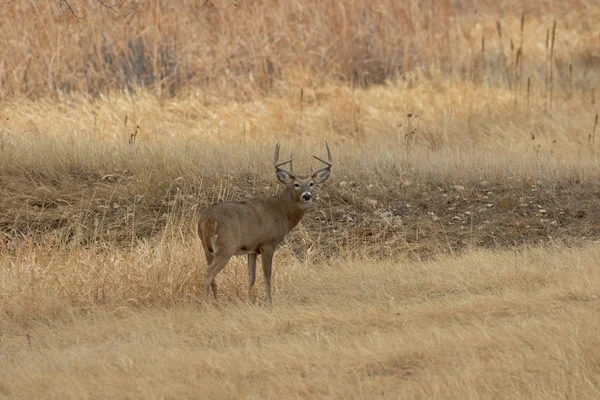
[[209, 260], [216, 257], [218, 263]]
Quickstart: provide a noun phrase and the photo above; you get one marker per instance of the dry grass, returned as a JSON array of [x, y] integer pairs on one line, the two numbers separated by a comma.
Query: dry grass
[[76, 192], [487, 324], [256, 49], [477, 172], [453, 253]]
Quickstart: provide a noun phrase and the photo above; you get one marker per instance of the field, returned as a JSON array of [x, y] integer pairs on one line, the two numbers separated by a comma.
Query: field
[[453, 253], [485, 324]]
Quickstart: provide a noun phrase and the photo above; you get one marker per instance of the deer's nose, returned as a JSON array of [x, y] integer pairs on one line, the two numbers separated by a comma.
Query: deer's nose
[[306, 196]]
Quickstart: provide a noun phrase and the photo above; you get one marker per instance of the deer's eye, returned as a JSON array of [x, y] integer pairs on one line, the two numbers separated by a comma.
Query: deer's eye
[[296, 185], [310, 184]]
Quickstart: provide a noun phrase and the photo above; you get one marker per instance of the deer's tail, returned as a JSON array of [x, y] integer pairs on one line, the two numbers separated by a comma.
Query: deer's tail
[[207, 230]]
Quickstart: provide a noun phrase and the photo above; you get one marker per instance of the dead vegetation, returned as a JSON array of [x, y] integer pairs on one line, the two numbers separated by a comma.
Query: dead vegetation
[[77, 194], [245, 52], [487, 324], [452, 254]]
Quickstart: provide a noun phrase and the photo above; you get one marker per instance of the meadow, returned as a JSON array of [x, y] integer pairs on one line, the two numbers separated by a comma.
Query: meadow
[[453, 253]]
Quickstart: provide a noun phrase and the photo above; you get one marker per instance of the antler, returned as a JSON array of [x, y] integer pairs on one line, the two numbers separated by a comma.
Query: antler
[[329, 161], [279, 164]]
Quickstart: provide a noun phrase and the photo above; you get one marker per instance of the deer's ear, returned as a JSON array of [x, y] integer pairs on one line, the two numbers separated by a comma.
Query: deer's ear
[[283, 177], [322, 175]]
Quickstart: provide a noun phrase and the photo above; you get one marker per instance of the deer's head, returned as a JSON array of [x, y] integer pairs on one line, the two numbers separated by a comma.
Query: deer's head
[[302, 186]]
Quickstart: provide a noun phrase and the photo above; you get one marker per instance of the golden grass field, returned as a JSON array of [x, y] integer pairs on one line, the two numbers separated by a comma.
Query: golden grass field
[[453, 253], [483, 325]]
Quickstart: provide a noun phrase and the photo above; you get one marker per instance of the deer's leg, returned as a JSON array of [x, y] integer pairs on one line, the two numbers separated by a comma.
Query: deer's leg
[[209, 260], [267, 262], [251, 273], [209, 257], [213, 285], [217, 264]]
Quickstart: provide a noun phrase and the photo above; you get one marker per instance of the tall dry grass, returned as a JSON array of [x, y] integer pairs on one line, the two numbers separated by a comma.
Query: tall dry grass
[[258, 48]]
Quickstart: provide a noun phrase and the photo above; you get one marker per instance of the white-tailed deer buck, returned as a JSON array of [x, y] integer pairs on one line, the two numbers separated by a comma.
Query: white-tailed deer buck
[[257, 226]]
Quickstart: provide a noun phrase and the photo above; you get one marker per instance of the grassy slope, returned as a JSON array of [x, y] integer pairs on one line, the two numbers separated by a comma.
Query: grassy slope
[[487, 324], [473, 176]]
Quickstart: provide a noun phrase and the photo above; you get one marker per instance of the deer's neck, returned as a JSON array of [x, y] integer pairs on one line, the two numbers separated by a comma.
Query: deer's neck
[[292, 211]]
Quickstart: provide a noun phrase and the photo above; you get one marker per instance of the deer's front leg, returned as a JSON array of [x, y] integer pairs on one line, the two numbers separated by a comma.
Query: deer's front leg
[[267, 262], [251, 273]]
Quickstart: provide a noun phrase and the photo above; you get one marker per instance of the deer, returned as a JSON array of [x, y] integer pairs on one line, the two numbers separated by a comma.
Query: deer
[[257, 226]]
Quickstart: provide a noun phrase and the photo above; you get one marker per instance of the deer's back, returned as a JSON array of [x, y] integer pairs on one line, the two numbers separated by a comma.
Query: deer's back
[[248, 225]]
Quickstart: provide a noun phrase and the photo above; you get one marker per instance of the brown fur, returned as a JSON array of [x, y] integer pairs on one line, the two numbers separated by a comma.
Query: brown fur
[[254, 227]]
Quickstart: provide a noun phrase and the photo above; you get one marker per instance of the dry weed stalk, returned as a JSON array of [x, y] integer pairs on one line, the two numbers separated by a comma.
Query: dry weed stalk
[[592, 136], [528, 93], [551, 60]]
